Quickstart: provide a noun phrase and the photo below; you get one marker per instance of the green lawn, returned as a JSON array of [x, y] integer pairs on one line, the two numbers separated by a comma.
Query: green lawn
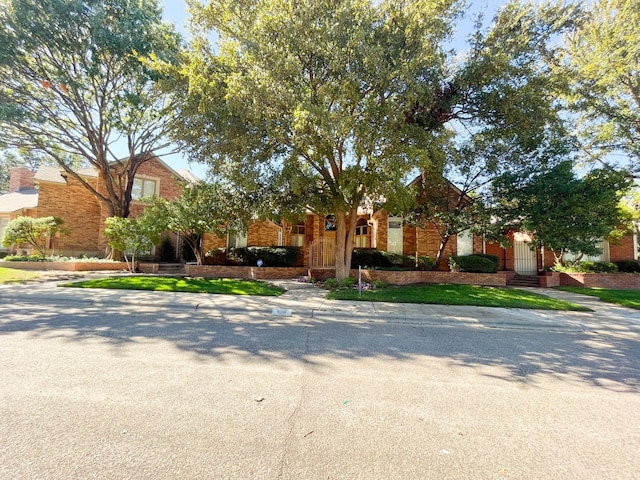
[[626, 298], [11, 275], [458, 295], [193, 285]]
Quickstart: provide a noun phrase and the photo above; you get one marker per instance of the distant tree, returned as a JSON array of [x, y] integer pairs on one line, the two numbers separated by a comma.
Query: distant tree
[[565, 213], [202, 208], [73, 84], [33, 231], [600, 62]]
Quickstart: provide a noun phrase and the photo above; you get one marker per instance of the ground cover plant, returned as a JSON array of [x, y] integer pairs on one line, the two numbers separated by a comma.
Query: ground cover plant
[[457, 295], [192, 285], [10, 275], [626, 298]]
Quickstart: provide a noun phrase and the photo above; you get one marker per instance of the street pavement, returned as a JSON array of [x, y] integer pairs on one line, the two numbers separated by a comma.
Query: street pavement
[[155, 385]]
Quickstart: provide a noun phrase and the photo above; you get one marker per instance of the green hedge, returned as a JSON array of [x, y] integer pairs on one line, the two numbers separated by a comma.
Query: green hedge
[[628, 266], [379, 260], [588, 267], [474, 263], [270, 256]]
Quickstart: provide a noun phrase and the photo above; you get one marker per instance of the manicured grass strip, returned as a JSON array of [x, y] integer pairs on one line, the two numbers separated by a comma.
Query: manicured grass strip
[[459, 295], [11, 275], [626, 298], [194, 285]]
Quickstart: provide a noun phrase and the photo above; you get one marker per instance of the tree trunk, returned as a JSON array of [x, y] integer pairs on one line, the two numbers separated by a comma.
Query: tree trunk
[[439, 255], [345, 230]]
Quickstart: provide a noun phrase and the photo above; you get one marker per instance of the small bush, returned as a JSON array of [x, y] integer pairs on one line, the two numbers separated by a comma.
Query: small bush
[[25, 258], [331, 283], [628, 266], [165, 251], [472, 263], [217, 256], [348, 282], [588, 267], [370, 258], [270, 256], [379, 284]]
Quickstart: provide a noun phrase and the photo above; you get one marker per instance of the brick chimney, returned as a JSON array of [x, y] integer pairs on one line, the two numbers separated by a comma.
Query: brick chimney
[[20, 178]]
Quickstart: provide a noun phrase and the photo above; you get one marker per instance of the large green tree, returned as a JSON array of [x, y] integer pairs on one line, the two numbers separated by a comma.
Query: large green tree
[[328, 104], [601, 61], [565, 212], [309, 99], [73, 84]]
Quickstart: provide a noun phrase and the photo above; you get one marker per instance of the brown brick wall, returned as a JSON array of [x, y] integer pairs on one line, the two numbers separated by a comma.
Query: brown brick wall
[[263, 234], [224, 271], [601, 280], [621, 249], [169, 188], [406, 278], [80, 211]]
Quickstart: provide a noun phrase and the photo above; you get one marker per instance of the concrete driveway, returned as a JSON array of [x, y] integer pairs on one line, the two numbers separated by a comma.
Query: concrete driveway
[[99, 384]]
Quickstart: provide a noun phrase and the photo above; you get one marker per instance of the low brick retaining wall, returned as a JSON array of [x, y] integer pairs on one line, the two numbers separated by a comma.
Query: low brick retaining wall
[[66, 266], [406, 278], [601, 280], [253, 273]]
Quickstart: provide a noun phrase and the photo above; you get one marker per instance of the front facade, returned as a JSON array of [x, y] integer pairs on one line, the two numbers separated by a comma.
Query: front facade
[[51, 192]]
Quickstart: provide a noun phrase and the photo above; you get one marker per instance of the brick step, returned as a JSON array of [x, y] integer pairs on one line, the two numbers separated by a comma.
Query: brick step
[[524, 281], [171, 268]]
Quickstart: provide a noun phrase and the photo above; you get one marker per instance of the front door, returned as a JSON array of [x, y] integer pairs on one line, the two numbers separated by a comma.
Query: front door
[[525, 259], [329, 249]]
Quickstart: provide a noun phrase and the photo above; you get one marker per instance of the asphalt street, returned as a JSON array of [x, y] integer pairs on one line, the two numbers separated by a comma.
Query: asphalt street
[[149, 385]]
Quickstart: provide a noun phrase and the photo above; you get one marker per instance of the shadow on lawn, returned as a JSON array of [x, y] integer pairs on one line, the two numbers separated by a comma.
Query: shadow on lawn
[[608, 359]]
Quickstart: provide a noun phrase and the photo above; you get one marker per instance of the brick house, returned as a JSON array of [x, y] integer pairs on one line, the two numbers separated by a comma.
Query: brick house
[[50, 192]]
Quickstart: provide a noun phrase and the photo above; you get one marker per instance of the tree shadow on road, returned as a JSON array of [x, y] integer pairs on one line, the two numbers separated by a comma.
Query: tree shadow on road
[[607, 359]]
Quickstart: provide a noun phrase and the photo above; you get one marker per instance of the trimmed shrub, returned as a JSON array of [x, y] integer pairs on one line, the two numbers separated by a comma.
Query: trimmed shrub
[[217, 256], [25, 258], [378, 260], [588, 267], [472, 263], [494, 258], [270, 256], [370, 258], [628, 266], [330, 283], [348, 282]]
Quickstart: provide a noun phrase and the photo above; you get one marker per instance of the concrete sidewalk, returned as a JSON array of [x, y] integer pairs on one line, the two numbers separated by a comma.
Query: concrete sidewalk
[[305, 301]]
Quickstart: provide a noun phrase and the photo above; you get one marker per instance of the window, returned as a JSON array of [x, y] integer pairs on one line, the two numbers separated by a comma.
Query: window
[[362, 234], [4, 221], [394, 235], [465, 243], [603, 246], [236, 240], [297, 235], [330, 224], [143, 187]]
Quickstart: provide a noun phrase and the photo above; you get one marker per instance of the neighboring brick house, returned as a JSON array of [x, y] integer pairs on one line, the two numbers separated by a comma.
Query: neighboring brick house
[[50, 192], [21, 200]]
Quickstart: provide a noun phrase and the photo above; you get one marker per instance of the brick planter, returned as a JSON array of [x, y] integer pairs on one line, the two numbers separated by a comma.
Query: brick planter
[[252, 273], [410, 277], [629, 281], [550, 279], [66, 266]]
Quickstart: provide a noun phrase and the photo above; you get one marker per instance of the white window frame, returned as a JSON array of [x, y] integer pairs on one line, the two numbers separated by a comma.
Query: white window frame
[[240, 240], [141, 180], [4, 221], [464, 243], [395, 241]]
